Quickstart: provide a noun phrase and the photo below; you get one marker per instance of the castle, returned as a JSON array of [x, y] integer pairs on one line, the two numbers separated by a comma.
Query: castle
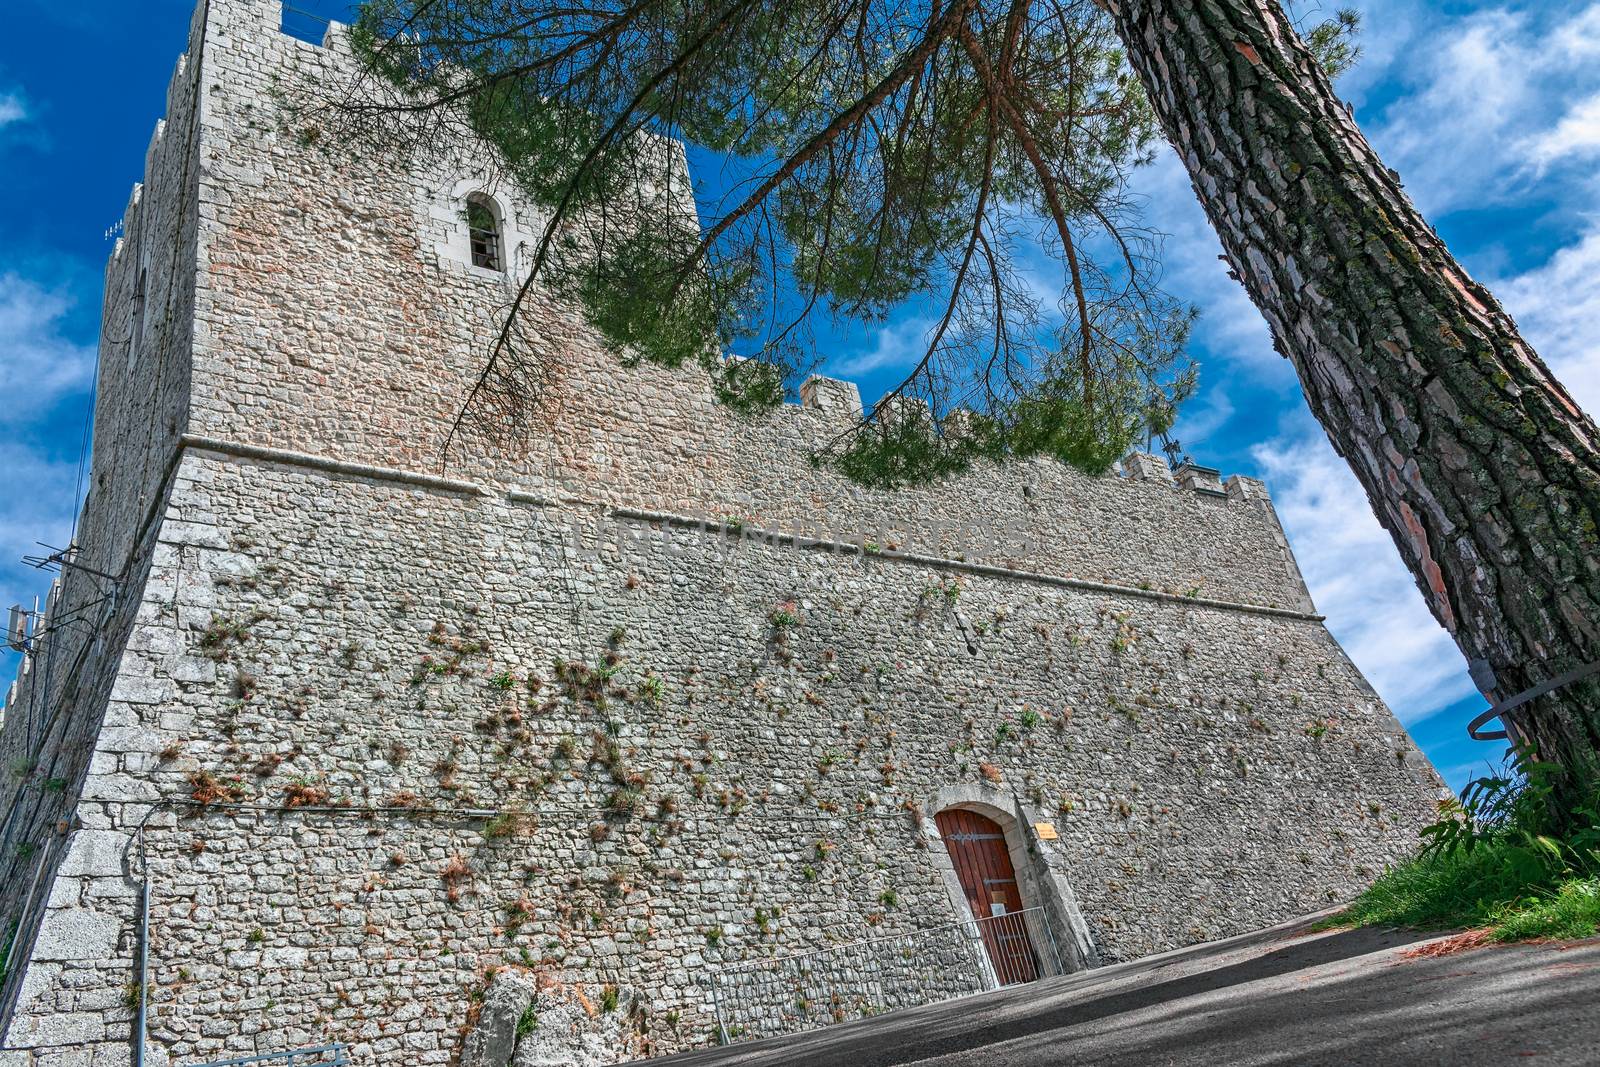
[[542, 755]]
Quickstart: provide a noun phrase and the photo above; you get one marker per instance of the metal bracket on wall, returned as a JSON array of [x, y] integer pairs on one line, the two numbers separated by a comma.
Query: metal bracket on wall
[[1574, 675], [335, 1055]]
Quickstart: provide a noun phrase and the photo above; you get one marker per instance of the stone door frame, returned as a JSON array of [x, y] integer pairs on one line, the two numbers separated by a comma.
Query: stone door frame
[[1041, 866]]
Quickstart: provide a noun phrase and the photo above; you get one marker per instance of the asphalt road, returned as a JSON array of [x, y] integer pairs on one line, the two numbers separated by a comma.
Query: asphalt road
[[1281, 996]]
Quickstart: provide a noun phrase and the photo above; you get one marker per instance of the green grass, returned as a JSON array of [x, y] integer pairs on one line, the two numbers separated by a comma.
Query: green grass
[[1572, 911], [1497, 859], [1491, 886]]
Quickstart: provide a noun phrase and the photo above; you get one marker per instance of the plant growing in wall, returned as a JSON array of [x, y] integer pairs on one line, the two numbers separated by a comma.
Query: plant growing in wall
[[456, 874], [783, 618], [223, 633], [652, 689], [206, 788], [304, 793]]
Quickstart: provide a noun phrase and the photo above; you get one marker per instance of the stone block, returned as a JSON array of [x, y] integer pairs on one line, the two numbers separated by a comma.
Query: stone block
[[95, 854], [38, 989], [58, 1028], [131, 739], [134, 690], [831, 395], [1145, 467], [192, 669], [64, 893], [77, 934], [1196, 478]]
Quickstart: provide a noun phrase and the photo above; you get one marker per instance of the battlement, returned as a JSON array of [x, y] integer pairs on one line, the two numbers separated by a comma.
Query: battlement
[[329, 314], [339, 314], [831, 405]]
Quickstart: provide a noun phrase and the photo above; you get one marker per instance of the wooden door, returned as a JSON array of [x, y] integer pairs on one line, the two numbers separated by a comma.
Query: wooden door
[[978, 850]]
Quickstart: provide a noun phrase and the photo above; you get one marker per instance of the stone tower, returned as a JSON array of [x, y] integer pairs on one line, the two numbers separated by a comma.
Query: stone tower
[[321, 744]]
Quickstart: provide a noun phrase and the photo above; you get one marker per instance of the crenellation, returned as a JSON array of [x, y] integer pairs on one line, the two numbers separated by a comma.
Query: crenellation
[[1197, 479], [154, 146], [607, 711], [1146, 467], [834, 395]]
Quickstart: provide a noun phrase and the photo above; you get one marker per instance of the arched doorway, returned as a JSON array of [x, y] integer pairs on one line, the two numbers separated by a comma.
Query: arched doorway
[[978, 850]]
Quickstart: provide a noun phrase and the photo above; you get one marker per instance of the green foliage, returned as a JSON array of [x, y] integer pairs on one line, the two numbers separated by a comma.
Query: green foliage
[[653, 690], [624, 802], [528, 1022], [1573, 911], [1333, 41], [1500, 856], [502, 825], [885, 157]]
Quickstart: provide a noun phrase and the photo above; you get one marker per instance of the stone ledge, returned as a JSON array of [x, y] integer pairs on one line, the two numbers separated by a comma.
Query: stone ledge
[[242, 450], [802, 541]]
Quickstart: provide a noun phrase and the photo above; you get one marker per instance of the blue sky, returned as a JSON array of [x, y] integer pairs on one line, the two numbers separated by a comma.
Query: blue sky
[[1490, 112]]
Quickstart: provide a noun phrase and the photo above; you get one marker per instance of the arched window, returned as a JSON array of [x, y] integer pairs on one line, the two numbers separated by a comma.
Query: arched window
[[483, 232]]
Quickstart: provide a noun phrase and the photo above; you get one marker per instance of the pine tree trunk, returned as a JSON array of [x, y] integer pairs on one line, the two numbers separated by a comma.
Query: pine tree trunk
[[1474, 457]]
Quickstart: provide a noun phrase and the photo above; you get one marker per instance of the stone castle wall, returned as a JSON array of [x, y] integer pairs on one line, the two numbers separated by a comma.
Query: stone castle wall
[[331, 323], [66, 731], [377, 731]]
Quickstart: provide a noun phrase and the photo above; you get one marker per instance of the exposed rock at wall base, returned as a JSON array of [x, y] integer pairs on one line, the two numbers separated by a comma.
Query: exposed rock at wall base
[[527, 1021]]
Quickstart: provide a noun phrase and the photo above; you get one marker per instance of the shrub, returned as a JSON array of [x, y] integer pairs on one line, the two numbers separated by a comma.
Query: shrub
[[1501, 856]]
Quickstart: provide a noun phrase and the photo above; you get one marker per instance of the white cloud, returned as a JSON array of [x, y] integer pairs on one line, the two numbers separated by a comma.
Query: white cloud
[[47, 383], [895, 345], [1357, 578], [1579, 38], [1192, 271], [1480, 96], [1204, 415], [1557, 307], [12, 109], [42, 365], [1577, 134]]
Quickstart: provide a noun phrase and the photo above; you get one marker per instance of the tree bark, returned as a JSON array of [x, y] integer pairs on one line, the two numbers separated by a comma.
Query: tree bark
[[1474, 457]]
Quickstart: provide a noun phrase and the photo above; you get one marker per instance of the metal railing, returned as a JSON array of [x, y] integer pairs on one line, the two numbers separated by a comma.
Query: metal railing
[[335, 1055], [808, 990]]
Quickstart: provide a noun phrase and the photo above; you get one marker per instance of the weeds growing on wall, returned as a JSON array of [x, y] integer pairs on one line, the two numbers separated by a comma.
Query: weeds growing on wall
[[1497, 858]]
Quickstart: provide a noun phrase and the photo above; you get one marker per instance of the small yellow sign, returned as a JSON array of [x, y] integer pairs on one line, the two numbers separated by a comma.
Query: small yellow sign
[[1045, 830]]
